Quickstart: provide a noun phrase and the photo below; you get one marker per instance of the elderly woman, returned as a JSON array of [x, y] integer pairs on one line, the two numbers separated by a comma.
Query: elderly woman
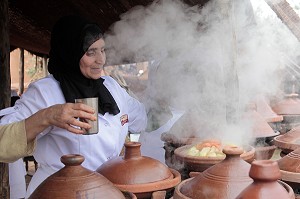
[[76, 62]]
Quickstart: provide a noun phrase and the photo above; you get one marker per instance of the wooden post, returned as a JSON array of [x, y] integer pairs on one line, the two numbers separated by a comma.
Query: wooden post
[[21, 72], [45, 66], [4, 85]]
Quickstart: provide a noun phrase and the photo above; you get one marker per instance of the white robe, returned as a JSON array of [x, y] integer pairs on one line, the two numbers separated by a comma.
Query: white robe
[[54, 142]]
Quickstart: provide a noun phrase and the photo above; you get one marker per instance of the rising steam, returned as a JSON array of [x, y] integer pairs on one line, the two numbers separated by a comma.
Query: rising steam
[[200, 50]]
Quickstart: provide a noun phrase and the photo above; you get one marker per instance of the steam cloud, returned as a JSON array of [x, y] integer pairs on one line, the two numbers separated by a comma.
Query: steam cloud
[[199, 50]]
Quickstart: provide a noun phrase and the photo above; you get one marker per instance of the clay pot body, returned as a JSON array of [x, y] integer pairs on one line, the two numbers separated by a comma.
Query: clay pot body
[[224, 180], [74, 181], [139, 174], [265, 174]]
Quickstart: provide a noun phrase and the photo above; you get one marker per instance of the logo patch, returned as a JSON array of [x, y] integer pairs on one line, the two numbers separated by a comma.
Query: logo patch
[[124, 119]]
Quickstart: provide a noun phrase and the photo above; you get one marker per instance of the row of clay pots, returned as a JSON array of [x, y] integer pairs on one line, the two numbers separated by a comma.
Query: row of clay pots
[[129, 176], [229, 179]]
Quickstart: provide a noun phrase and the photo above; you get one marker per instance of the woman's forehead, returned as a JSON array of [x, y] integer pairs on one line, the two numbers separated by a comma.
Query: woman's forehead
[[99, 44]]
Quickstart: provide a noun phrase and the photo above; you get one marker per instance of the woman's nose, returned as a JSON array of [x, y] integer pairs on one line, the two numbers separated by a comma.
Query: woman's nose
[[100, 59]]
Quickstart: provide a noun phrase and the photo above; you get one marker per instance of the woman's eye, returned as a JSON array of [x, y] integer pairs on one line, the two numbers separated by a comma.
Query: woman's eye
[[90, 53]]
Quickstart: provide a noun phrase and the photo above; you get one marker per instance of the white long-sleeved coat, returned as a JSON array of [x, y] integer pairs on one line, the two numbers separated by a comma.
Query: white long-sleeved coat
[[54, 142]]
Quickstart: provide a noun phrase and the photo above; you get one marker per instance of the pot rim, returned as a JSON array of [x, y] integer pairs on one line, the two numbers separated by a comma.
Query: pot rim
[[208, 160], [152, 186]]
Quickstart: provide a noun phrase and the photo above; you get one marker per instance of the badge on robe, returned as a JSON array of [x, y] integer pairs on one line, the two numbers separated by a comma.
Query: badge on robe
[[124, 119]]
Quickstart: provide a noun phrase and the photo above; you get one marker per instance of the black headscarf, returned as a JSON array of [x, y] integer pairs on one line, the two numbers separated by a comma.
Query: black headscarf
[[70, 39]]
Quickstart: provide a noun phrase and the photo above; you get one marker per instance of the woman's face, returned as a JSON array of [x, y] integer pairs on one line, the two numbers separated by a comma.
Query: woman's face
[[91, 63]]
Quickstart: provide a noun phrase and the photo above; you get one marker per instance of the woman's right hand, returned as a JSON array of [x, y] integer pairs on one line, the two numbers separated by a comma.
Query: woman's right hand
[[65, 116]]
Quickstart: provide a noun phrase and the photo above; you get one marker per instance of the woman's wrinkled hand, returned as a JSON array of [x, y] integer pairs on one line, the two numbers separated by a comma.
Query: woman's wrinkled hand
[[65, 116]]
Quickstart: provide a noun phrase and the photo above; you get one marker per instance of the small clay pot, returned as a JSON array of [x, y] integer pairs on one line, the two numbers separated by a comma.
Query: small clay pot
[[265, 174], [224, 180], [138, 174], [74, 181]]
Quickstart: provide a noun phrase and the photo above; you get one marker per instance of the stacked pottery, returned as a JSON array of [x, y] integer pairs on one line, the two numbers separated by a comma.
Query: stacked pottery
[[266, 174], [289, 108], [290, 171], [262, 133], [139, 174], [224, 180], [74, 181]]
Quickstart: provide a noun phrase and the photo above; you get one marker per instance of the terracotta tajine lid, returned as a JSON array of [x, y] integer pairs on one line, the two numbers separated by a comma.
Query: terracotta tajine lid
[[75, 181], [224, 180], [288, 141], [265, 174], [138, 174], [260, 128], [289, 166], [290, 105], [265, 110]]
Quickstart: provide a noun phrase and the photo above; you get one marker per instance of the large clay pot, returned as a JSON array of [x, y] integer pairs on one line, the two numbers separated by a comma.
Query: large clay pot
[[74, 181], [138, 174], [265, 174], [224, 180]]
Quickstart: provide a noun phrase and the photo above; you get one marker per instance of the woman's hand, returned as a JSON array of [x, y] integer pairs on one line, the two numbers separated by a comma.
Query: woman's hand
[[60, 115]]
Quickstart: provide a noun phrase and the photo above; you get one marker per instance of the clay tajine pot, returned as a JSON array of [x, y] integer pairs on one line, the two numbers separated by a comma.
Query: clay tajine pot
[[138, 174], [200, 164], [265, 110], [266, 174], [290, 105], [74, 181], [288, 141], [224, 180], [260, 127], [289, 167]]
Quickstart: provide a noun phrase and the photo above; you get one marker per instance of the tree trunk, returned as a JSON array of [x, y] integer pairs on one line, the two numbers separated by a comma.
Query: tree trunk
[[4, 85], [21, 72]]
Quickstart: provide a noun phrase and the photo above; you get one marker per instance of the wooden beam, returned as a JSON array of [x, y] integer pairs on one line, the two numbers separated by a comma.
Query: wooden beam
[[288, 16], [4, 85]]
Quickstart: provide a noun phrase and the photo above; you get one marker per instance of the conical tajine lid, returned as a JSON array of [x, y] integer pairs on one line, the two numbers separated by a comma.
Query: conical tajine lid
[[265, 110], [290, 105], [138, 174], [289, 141], [265, 174], [260, 128], [74, 181], [289, 166], [224, 180]]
